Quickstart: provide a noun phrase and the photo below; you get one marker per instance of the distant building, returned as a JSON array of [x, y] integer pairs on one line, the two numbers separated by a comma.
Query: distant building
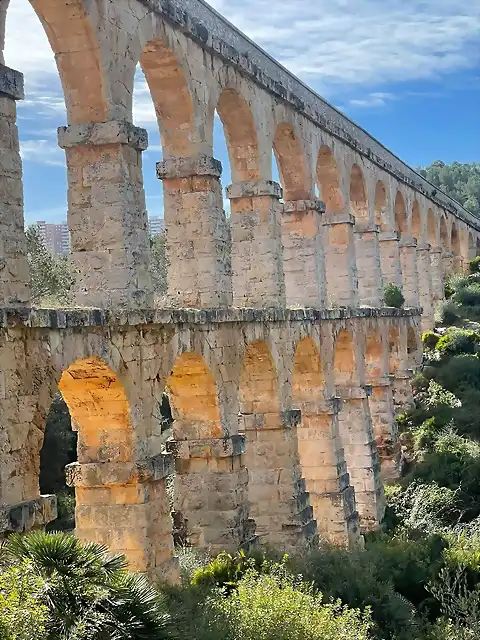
[[156, 225], [55, 237]]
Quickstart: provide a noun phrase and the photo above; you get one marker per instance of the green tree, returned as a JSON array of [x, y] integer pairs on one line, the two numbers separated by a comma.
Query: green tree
[[51, 277], [88, 592], [460, 181]]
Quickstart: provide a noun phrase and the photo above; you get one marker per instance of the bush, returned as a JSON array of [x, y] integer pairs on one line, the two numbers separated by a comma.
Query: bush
[[475, 265], [393, 296], [353, 577], [447, 313], [430, 339], [468, 296], [458, 341], [277, 606], [226, 570], [459, 373], [23, 614]]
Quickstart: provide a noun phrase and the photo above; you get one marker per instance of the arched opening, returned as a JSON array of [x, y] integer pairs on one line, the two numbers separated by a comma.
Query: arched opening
[[394, 356], [192, 392], [258, 390], [318, 447], [328, 180], [381, 205], [444, 237], [471, 246], [401, 223], [269, 455], [344, 363], [358, 194], [416, 221], [374, 357], [44, 165], [414, 348], [291, 163], [432, 228], [241, 136], [455, 241], [171, 98], [74, 42], [203, 468]]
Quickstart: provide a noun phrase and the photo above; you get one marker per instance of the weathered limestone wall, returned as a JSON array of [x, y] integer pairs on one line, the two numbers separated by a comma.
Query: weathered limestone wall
[[232, 476]]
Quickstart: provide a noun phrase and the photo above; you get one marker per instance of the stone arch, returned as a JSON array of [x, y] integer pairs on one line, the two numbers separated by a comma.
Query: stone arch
[[118, 501], [192, 391], [74, 42], [240, 134], [344, 361], [374, 356], [380, 205], [432, 228], [471, 246], [414, 347], [455, 240], [171, 97], [258, 389], [358, 194], [444, 236], [401, 224], [291, 163], [308, 378], [395, 359], [328, 180], [416, 221], [100, 411]]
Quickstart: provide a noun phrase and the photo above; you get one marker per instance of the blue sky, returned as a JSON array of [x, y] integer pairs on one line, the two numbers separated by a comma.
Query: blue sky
[[408, 71]]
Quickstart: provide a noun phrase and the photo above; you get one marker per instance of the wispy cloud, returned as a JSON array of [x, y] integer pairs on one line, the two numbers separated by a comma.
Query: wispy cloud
[[44, 151], [363, 42], [375, 99]]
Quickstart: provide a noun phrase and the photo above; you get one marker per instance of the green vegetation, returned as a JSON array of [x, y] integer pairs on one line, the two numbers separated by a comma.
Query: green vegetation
[[393, 297], [460, 181]]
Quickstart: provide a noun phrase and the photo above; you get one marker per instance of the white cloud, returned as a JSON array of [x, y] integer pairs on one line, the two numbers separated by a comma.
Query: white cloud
[[363, 42], [374, 99], [42, 151]]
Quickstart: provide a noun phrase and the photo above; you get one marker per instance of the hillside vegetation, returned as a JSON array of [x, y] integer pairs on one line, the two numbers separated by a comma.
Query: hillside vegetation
[[460, 181]]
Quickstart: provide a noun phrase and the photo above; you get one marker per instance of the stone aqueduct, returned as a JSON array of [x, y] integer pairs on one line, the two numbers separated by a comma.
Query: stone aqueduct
[[283, 368]]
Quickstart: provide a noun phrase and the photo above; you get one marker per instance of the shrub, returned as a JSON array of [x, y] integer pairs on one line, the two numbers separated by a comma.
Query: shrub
[[226, 570], [278, 606], [469, 295], [23, 614], [458, 341], [447, 313], [353, 577], [475, 265], [459, 373], [430, 339], [393, 296]]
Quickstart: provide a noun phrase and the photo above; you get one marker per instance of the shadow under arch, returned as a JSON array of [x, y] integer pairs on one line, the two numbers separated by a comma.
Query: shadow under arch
[[358, 194], [444, 237], [455, 241], [291, 163], [171, 98], [328, 180], [240, 135]]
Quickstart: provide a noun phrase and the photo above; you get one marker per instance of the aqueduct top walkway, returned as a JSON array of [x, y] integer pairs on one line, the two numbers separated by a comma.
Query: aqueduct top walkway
[[282, 364]]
